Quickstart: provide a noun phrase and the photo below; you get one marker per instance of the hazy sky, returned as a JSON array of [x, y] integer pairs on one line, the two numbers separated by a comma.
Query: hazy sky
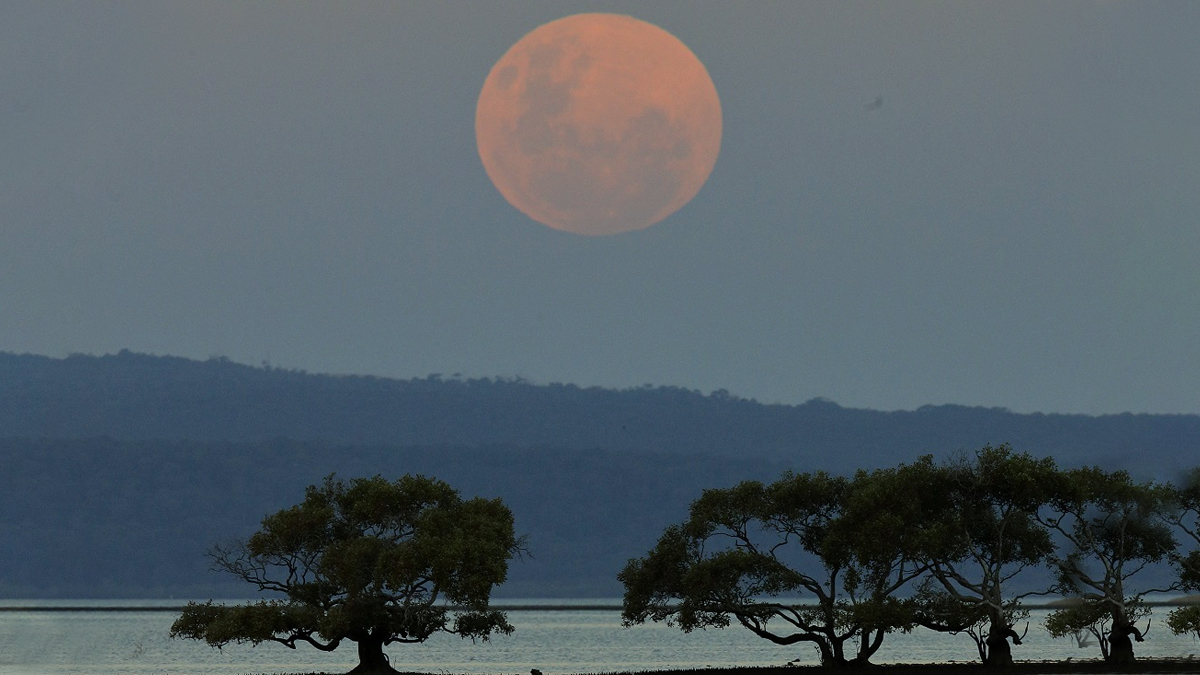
[[298, 182]]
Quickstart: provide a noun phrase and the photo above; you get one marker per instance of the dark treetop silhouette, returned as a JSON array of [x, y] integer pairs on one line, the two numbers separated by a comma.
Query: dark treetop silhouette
[[370, 561], [988, 536], [1186, 518], [1114, 528], [745, 550]]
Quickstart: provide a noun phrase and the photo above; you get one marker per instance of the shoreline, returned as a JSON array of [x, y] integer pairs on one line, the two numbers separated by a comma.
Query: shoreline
[[1086, 667], [1023, 667]]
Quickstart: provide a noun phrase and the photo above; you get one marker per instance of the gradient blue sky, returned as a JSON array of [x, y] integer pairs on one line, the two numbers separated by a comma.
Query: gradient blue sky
[[297, 182]]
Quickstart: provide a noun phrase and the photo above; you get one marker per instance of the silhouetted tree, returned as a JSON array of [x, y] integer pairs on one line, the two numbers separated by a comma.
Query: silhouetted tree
[[371, 562], [938, 610], [810, 535], [1115, 528], [1093, 618], [988, 534], [1186, 517]]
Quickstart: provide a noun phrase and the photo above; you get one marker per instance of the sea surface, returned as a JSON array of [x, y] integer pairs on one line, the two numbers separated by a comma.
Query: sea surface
[[555, 636]]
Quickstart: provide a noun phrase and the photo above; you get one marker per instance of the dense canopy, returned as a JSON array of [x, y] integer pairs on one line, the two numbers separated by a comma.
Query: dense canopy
[[368, 561]]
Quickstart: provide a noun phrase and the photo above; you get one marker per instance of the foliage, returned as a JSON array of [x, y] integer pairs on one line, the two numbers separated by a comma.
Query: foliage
[[370, 561], [989, 535], [1185, 620], [843, 547], [1094, 618], [939, 610], [1186, 518], [1116, 528]]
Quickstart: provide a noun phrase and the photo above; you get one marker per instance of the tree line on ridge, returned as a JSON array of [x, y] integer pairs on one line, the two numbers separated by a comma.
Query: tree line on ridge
[[140, 397]]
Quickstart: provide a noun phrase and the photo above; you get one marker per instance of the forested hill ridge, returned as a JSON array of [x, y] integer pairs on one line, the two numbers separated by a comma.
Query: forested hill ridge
[[132, 396], [128, 519]]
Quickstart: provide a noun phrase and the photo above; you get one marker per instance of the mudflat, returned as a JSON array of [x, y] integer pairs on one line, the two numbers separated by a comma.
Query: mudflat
[[1019, 668]]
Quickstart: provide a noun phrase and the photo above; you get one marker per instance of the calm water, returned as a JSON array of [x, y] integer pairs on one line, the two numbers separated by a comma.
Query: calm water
[[572, 641]]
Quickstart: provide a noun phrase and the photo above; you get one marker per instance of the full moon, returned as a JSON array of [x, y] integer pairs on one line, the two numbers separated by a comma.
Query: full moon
[[598, 124]]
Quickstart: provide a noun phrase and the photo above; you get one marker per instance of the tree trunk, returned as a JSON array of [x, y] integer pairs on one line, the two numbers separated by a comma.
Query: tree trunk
[[1120, 646], [869, 644], [371, 659], [999, 653], [827, 655]]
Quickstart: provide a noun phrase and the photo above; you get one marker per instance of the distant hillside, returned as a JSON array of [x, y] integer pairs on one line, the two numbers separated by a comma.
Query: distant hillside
[[106, 518], [132, 396], [118, 472]]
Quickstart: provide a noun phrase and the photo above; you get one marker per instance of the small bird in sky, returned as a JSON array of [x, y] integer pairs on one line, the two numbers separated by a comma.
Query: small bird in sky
[[876, 104]]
